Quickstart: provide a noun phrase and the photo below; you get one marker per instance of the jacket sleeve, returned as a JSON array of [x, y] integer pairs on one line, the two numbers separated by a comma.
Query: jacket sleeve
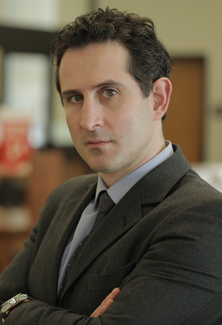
[[13, 278]]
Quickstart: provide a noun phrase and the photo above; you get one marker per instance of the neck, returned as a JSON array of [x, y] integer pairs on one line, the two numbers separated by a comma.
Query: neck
[[112, 177]]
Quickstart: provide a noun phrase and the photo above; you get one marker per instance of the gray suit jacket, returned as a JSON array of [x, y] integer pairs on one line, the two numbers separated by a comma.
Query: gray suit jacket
[[161, 244]]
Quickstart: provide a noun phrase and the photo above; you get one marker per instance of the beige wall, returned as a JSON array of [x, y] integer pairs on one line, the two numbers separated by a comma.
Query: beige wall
[[70, 9]]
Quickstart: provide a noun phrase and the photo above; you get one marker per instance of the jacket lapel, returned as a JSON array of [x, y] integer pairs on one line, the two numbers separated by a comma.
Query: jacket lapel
[[68, 220], [157, 184], [119, 220]]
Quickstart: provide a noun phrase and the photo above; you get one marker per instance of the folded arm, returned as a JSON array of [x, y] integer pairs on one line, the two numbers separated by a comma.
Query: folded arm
[[177, 281]]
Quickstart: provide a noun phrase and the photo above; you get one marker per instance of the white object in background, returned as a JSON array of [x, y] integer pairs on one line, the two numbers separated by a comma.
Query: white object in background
[[26, 88], [211, 173]]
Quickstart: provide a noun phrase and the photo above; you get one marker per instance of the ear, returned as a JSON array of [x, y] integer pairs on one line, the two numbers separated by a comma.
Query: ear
[[162, 89]]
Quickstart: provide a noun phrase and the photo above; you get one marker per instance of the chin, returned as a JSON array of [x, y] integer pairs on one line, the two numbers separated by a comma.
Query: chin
[[102, 164], [100, 167]]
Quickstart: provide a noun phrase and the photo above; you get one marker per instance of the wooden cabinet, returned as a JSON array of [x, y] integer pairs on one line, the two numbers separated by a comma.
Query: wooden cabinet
[[16, 218]]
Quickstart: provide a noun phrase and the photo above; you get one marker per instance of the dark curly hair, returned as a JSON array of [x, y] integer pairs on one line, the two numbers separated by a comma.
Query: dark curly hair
[[149, 59]]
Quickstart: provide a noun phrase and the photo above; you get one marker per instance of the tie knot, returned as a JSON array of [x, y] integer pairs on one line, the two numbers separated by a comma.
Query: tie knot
[[105, 203]]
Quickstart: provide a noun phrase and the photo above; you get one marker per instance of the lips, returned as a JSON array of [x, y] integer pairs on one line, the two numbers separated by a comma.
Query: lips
[[96, 143]]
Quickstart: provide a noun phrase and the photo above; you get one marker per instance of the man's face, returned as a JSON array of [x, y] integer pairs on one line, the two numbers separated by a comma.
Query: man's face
[[111, 123]]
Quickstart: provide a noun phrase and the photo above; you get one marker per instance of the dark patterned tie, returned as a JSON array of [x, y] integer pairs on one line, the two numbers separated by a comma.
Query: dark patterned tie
[[105, 206]]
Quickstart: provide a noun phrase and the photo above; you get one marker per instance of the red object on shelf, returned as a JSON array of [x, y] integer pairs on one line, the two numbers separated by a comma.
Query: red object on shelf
[[15, 148]]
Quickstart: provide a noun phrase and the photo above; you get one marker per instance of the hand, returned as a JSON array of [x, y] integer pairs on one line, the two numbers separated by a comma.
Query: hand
[[106, 303]]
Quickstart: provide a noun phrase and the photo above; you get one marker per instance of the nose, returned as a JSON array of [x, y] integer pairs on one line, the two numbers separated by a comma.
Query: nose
[[91, 115]]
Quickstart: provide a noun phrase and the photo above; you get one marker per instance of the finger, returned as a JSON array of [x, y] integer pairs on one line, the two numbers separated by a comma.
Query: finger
[[106, 303], [102, 308], [111, 296], [114, 293]]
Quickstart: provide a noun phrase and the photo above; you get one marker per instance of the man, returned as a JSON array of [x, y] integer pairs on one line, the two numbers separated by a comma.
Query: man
[[159, 249]]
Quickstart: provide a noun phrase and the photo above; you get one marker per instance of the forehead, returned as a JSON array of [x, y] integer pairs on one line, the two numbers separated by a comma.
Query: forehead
[[94, 61]]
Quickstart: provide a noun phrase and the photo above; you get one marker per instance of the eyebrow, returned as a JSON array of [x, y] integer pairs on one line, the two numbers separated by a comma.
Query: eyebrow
[[107, 83]]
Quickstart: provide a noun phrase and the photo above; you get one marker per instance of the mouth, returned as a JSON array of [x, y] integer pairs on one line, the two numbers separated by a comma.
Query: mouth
[[96, 143]]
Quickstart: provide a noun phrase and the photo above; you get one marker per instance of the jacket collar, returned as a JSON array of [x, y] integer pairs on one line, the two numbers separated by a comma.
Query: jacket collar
[[156, 185]]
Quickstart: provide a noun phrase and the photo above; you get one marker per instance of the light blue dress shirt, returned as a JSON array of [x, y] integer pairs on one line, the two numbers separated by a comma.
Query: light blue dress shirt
[[116, 192]]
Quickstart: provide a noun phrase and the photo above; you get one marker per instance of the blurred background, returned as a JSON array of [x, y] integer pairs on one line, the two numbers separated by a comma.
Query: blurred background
[[36, 151]]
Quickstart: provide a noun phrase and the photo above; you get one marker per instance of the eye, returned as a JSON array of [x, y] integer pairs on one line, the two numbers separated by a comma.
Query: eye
[[76, 98], [109, 92]]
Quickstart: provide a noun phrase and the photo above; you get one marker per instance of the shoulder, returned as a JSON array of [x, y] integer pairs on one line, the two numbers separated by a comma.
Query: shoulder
[[185, 184], [74, 188], [194, 187], [194, 203], [60, 198]]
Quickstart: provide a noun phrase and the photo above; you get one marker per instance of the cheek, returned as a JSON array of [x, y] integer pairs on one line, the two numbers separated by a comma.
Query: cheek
[[125, 126], [121, 125], [138, 125], [71, 119]]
